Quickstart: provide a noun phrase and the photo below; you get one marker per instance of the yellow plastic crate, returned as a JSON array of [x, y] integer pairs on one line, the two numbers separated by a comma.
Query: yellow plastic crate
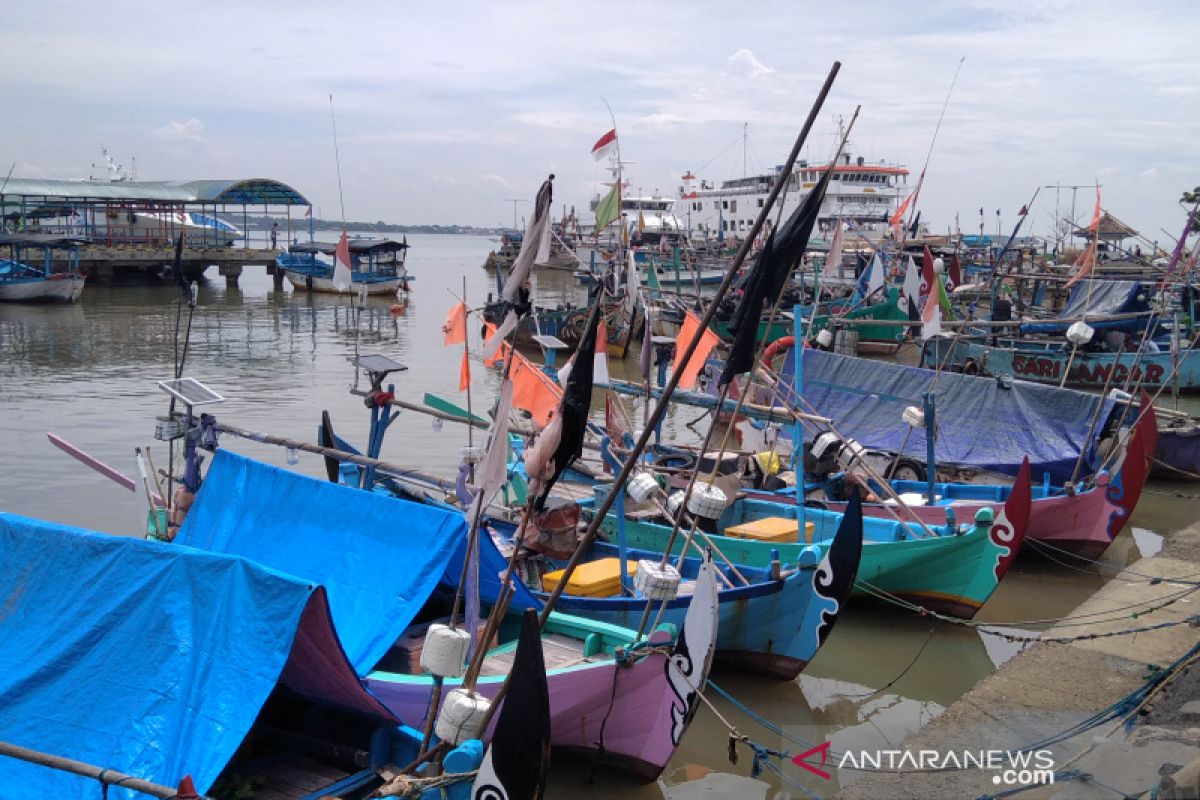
[[599, 578], [777, 530]]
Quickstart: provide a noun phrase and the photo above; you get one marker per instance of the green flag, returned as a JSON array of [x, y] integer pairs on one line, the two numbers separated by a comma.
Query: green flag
[[943, 299], [608, 209], [652, 277]]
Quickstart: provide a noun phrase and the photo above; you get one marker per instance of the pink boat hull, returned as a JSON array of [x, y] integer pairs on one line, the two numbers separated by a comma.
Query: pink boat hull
[[636, 717], [1079, 523]]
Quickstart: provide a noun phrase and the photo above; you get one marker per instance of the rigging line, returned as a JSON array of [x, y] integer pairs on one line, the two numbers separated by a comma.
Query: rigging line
[[337, 160], [883, 594], [1182, 579], [723, 151], [928, 156]]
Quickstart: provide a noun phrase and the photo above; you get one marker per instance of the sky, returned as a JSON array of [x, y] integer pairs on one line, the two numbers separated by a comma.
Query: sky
[[447, 111]]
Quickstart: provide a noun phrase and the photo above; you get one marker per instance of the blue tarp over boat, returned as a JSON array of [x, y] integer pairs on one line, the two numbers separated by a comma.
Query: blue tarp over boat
[[1093, 297], [980, 423], [148, 659], [378, 557]]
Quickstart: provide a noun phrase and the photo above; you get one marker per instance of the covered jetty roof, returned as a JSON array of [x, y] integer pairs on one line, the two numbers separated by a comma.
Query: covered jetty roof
[[1110, 228], [249, 191]]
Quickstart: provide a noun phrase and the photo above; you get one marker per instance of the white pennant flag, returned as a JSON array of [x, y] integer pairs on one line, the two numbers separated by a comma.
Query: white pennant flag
[[875, 275], [492, 472], [342, 276]]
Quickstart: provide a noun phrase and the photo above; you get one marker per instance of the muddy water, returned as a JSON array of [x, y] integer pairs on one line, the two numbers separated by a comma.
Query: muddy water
[[89, 373]]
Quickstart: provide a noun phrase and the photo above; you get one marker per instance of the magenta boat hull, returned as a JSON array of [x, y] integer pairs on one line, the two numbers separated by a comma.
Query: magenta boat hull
[[636, 718]]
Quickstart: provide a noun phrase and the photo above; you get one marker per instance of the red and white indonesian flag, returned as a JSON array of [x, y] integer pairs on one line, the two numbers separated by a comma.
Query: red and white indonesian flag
[[605, 145], [931, 317], [341, 264]]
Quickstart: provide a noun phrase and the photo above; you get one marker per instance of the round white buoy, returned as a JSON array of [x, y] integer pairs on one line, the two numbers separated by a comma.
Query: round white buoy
[[1080, 333], [914, 416], [445, 651], [938, 266], [461, 717], [642, 487], [471, 454], [825, 337], [707, 501]]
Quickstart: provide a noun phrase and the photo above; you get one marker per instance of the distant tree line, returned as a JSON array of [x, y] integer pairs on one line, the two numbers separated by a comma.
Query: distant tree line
[[264, 222]]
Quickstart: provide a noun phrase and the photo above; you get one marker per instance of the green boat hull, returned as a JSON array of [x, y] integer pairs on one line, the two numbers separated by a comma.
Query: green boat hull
[[950, 574]]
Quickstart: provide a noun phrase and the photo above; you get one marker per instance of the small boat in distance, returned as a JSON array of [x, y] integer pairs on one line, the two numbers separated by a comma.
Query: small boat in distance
[[22, 282], [377, 264]]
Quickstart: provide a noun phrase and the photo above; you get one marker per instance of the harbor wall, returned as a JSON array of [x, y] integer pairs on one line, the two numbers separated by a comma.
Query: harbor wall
[[1050, 687]]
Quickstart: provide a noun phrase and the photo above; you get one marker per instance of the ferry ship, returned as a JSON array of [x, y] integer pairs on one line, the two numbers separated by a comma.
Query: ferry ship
[[866, 194]]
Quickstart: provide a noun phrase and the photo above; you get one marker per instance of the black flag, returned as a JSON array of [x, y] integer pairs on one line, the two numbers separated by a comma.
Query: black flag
[[514, 767], [783, 250], [561, 442]]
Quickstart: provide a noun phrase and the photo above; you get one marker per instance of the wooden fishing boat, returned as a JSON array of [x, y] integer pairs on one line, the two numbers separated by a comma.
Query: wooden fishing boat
[[867, 339], [768, 624], [239, 666], [375, 264], [21, 282], [295, 524], [633, 729], [1049, 361], [950, 569], [1083, 521]]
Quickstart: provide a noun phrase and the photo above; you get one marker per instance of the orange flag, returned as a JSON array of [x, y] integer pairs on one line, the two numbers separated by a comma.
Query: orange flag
[[464, 373], [533, 390], [1087, 260], [708, 341], [455, 326], [489, 329]]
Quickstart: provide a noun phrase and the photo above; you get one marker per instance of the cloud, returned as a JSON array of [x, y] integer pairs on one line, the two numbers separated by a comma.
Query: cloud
[[746, 61], [189, 132], [1149, 174]]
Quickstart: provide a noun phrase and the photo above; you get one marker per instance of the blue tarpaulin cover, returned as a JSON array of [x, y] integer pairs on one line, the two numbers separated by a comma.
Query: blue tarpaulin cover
[[980, 423], [378, 557], [149, 659], [1093, 297]]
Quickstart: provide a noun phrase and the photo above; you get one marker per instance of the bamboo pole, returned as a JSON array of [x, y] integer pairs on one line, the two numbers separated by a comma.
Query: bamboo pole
[[382, 467], [106, 777]]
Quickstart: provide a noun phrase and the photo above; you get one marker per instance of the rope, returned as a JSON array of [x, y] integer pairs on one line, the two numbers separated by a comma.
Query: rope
[[1160, 463], [1068, 621], [1043, 547], [911, 664]]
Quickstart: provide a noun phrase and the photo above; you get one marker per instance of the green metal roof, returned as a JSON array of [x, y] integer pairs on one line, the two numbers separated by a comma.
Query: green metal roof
[[251, 191]]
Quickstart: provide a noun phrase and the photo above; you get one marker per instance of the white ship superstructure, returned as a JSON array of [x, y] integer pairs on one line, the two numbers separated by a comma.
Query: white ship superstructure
[[863, 193]]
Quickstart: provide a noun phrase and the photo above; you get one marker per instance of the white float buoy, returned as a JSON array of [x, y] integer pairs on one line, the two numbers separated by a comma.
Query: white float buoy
[[445, 651], [461, 717], [642, 487], [706, 501]]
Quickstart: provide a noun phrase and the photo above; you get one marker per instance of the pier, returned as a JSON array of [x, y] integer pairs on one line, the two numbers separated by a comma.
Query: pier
[[131, 226]]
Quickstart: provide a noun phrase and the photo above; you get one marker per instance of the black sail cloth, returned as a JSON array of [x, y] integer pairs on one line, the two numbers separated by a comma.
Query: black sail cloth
[[768, 276]]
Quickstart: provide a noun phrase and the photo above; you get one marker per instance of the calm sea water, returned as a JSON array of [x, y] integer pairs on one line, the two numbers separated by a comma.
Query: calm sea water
[[89, 373]]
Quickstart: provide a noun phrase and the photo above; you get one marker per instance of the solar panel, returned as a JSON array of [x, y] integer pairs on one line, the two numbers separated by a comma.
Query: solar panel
[[378, 363], [550, 342], [190, 392]]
